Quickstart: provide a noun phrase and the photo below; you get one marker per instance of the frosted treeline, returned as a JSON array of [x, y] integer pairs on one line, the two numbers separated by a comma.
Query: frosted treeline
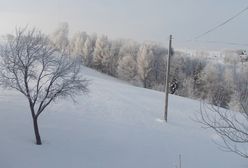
[[143, 64]]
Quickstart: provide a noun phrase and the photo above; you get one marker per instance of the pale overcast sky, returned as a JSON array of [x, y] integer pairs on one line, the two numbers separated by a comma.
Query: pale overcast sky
[[136, 19]]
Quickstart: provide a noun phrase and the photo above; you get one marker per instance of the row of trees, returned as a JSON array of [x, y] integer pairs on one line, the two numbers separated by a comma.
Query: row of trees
[[144, 65]]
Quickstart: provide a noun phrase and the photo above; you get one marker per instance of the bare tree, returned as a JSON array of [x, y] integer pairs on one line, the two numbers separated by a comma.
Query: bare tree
[[31, 65], [232, 127]]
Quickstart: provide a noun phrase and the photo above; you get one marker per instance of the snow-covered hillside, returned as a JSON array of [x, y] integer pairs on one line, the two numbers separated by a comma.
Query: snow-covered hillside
[[116, 126]]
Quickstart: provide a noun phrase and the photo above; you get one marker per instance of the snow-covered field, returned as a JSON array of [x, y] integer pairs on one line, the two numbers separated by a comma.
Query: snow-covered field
[[115, 126]]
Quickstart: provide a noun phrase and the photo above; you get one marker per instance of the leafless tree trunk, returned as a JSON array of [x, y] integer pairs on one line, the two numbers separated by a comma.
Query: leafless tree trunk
[[36, 131], [31, 65]]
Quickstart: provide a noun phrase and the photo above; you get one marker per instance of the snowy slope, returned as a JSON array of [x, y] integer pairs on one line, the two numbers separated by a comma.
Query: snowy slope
[[115, 126]]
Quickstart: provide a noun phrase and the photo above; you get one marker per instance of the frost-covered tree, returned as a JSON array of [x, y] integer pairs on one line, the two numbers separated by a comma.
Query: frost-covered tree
[[77, 44], [198, 79], [115, 56], [87, 52], [60, 37], [159, 66], [176, 73], [127, 68], [101, 53], [145, 61], [107, 60], [231, 56], [237, 77], [32, 66], [187, 88], [216, 90], [129, 47]]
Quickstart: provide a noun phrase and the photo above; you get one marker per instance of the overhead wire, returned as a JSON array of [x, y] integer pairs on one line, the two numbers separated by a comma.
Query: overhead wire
[[222, 42], [221, 24], [217, 27], [214, 42]]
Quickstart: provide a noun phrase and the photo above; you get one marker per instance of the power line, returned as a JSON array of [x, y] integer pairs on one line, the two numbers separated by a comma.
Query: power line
[[213, 42], [221, 24], [222, 42]]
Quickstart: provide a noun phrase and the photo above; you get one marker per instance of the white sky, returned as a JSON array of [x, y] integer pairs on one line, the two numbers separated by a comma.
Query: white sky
[[136, 19]]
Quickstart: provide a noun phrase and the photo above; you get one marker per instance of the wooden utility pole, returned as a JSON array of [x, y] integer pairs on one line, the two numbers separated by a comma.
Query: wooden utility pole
[[180, 161], [167, 81]]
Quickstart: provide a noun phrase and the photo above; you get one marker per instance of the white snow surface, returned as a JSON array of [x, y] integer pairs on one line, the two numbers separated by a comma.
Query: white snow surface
[[115, 126]]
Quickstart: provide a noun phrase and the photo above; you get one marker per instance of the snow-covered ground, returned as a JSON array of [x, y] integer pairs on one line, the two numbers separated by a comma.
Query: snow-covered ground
[[116, 126]]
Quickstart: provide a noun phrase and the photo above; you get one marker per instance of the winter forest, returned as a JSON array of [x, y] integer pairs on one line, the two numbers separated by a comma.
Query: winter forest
[[218, 78]]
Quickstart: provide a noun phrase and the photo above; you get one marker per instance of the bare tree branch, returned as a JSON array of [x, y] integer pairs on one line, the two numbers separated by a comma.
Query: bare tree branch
[[231, 127], [31, 65]]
